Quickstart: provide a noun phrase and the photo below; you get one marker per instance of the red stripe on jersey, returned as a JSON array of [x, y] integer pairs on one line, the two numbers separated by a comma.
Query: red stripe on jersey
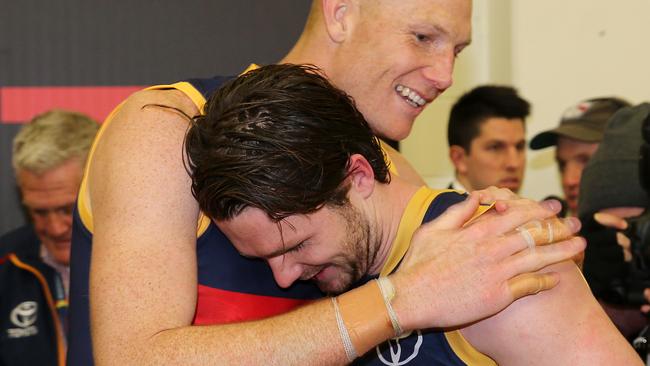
[[217, 306]]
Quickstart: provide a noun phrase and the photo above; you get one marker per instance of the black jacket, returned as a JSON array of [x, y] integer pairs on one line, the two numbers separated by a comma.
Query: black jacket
[[30, 329]]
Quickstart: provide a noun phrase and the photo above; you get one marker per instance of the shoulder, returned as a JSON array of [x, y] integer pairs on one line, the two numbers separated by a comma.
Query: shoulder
[[442, 201]]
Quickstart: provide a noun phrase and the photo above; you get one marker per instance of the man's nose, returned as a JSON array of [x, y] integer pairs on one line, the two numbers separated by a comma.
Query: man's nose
[[571, 175], [57, 224], [515, 158], [440, 70], [284, 271]]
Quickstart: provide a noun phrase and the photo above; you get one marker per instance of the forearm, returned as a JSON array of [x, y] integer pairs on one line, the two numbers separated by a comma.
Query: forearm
[[306, 336]]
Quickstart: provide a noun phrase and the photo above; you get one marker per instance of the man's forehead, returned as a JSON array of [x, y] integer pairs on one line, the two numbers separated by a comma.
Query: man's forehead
[[452, 17], [567, 145], [493, 128]]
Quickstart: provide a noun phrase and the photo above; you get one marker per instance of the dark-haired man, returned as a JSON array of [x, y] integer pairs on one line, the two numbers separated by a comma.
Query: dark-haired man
[[140, 236], [487, 138], [316, 201]]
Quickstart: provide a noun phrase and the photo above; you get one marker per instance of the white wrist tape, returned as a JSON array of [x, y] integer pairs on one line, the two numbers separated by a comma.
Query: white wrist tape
[[388, 293], [343, 330]]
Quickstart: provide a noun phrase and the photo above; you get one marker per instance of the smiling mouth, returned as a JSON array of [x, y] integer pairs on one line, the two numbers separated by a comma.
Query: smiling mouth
[[314, 275], [410, 96]]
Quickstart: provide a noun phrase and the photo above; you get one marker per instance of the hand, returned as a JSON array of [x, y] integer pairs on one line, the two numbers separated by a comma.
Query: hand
[[616, 222], [455, 274]]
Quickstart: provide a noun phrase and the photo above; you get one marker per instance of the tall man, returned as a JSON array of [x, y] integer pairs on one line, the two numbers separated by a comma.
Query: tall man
[[48, 158], [576, 140], [487, 138], [147, 262], [316, 202]]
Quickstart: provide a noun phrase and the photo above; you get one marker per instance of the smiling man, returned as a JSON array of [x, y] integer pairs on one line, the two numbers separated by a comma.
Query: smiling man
[[487, 138], [290, 172]]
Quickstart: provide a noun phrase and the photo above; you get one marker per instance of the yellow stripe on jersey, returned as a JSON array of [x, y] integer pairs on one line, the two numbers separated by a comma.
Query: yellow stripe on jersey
[[410, 222]]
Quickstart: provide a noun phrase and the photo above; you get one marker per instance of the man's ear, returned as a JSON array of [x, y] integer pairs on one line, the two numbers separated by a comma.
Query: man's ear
[[361, 176], [336, 15], [458, 156]]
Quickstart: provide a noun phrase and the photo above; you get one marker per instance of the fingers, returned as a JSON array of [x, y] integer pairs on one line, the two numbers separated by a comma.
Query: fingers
[[610, 220], [516, 213], [530, 261], [549, 230], [533, 234], [457, 215], [531, 283], [625, 243], [492, 194]]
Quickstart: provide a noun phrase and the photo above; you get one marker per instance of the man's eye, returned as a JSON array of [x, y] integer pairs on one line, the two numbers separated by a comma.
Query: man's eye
[[422, 37], [66, 210], [298, 247], [39, 212]]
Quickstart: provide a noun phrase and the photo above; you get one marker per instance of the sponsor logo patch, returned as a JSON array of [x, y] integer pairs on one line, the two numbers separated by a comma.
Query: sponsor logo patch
[[23, 317]]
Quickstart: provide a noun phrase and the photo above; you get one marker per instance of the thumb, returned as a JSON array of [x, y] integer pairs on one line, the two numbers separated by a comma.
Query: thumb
[[456, 215]]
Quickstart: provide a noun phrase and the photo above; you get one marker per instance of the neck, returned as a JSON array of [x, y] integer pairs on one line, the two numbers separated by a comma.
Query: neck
[[465, 182], [387, 210], [313, 47]]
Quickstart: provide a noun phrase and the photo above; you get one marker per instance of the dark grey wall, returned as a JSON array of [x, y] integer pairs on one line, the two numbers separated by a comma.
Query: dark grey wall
[[143, 42]]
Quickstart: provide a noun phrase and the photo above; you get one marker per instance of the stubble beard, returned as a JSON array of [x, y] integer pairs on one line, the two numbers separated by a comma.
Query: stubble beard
[[359, 252]]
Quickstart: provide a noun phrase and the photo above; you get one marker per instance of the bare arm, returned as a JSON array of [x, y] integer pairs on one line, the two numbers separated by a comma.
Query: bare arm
[[563, 326]]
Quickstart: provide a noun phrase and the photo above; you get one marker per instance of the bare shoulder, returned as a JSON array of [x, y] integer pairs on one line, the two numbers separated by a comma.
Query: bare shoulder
[[564, 325], [141, 147]]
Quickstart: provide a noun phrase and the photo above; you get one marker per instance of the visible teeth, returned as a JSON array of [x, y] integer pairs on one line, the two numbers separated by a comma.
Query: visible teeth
[[410, 95]]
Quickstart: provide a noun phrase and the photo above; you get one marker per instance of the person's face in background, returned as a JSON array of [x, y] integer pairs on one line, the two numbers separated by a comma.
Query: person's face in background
[[398, 56], [572, 157], [497, 156], [49, 199]]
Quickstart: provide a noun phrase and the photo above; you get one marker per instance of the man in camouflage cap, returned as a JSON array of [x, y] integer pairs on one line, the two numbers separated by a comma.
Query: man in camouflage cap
[[576, 139]]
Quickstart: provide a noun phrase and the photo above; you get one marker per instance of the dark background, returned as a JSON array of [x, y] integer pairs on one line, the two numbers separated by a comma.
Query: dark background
[[75, 43]]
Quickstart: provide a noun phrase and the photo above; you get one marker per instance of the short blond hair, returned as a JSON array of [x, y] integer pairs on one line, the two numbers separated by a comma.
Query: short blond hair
[[51, 139]]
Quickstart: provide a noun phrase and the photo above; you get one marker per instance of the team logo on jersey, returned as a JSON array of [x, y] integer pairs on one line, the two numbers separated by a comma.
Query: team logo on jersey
[[395, 350], [23, 317]]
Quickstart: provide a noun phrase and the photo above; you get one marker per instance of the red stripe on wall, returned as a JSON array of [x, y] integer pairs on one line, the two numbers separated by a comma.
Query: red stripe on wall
[[20, 104]]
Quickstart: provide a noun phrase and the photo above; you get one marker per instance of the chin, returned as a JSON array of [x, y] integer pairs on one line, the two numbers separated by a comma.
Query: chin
[[334, 288]]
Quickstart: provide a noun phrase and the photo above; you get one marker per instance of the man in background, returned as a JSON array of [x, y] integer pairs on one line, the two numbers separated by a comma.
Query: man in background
[[576, 139], [49, 154], [487, 139]]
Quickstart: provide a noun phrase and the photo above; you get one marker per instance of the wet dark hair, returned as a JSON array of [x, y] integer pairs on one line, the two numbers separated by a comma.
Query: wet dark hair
[[278, 138], [476, 106]]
